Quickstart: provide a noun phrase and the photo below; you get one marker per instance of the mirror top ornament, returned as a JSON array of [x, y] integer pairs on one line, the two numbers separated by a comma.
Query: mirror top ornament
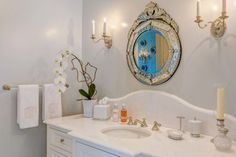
[[154, 48]]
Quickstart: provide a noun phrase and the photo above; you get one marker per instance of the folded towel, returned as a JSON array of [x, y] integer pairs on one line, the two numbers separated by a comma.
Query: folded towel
[[28, 106], [52, 107]]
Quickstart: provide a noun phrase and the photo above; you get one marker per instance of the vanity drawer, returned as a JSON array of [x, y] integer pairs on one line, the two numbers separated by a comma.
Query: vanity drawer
[[52, 152], [59, 139]]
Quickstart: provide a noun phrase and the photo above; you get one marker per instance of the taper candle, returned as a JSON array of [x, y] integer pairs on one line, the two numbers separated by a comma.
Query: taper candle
[[93, 23], [105, 26], [223, 6], [198, 7], [220, 103]]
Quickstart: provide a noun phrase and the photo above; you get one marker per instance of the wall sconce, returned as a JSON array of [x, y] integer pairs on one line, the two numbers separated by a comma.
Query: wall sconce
[[106, 38], [218, 26]]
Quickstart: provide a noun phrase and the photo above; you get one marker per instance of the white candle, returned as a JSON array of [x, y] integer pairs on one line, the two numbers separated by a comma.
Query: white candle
[[223, 5], [93, 32], [220, 103], [198, 7], [105, 26]]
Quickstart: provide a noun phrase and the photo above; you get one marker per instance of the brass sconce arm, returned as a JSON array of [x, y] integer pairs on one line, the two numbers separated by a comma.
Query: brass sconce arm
[[107, 40], [218, 26], [199, 22]]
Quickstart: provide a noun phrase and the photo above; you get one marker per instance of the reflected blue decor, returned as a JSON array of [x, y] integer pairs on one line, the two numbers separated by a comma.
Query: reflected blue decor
[[146, 42], [143, 43], [153, 50]]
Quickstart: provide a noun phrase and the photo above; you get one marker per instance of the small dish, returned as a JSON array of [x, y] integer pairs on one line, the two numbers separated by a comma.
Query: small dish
[[175, 134]]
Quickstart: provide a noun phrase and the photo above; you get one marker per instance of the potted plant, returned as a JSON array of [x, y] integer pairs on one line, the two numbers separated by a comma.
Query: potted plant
[[89, 102], [88, 76], [86, 73]]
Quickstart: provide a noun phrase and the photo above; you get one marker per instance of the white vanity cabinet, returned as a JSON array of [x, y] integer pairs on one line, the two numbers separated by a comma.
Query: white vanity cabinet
[[60, 144], [75, 136]]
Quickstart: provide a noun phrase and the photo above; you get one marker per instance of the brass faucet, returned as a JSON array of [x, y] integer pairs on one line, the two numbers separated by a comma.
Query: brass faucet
[[156, 126], [143, 123], [130, 121]]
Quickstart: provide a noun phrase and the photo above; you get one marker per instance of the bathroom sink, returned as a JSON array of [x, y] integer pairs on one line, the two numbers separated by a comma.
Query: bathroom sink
[[126, 132]]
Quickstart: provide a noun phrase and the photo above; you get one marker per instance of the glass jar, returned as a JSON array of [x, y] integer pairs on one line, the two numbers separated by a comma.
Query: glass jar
[[222, 141]]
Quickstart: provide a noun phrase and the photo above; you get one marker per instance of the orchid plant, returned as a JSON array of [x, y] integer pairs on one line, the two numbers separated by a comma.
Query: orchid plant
[[86, 73]]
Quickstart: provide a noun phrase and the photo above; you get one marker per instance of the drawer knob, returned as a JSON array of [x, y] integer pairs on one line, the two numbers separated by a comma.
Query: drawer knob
[[62, 140]]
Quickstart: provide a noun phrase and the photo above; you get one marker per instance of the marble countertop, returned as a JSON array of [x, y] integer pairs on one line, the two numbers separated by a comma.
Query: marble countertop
[[88, 131]]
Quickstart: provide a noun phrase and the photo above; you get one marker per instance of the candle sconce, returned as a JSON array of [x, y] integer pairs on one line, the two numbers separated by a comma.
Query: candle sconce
[[106, 38], [218, 26]]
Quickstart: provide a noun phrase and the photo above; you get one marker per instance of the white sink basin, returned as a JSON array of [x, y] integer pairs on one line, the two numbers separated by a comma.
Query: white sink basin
[[126, 132]]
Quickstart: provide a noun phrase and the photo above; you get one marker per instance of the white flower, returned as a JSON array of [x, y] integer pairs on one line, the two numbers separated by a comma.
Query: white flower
[[61, 88], [64, 75], [65, 54], [62, 62], [60, 80], [59, 58], [59, 70]]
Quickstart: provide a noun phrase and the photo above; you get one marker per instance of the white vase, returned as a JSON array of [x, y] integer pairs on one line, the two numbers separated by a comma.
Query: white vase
[[88, 106]]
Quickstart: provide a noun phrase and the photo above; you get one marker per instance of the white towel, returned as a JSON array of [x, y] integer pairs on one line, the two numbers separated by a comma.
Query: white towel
[[28, 106], [52, 107]]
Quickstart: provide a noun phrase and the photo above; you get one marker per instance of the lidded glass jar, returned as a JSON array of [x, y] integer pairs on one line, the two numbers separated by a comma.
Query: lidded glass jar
[[222, 141]]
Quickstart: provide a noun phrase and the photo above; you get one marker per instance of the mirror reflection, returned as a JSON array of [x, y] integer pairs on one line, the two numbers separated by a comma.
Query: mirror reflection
[[151, 52]]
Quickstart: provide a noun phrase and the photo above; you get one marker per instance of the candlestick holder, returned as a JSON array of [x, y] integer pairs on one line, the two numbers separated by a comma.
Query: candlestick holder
[[107, 40], [220, 123], [218, 26], [221, 140]]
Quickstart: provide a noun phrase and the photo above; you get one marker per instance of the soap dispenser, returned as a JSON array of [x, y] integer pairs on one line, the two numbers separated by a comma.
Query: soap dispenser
[[123, 114]]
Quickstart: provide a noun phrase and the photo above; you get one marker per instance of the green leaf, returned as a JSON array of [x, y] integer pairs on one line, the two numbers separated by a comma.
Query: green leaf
[[85, 94], [92, 89]]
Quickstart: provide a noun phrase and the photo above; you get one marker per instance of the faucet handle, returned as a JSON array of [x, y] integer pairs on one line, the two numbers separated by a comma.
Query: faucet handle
[[156, 126], [144, 123], [130, 121]]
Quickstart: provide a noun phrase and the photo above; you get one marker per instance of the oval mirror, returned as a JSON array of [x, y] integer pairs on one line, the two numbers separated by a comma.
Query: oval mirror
[[154, 48]]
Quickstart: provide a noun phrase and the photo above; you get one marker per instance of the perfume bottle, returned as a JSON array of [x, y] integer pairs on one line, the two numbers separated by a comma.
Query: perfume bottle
[[123, 114]]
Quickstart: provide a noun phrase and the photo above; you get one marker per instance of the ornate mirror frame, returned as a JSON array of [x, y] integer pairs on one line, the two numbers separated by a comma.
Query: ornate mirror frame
[[157, 18]]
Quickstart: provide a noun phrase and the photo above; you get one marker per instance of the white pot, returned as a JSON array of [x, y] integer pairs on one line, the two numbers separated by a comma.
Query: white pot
[[88, 106]]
